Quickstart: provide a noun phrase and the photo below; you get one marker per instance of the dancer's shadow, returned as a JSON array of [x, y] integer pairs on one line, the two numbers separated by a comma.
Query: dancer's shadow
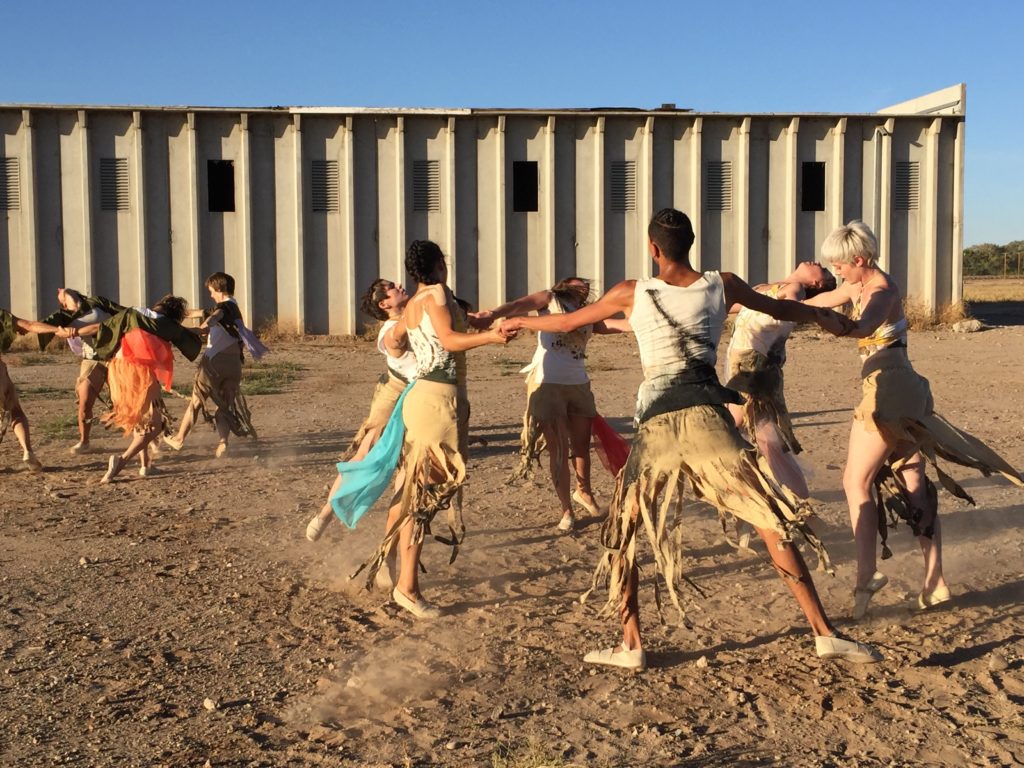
[[677, 657]]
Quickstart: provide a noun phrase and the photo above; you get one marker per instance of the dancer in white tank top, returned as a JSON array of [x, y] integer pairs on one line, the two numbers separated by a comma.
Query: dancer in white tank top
[[685, 436]]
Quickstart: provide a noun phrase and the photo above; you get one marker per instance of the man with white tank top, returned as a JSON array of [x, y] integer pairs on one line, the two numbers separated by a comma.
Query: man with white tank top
[[685, 435]]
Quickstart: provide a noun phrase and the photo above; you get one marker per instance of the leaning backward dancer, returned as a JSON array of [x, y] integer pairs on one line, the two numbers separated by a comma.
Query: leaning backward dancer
[[755, 359], [79, 311], [385, 301], [685, 435], [434, 412], [136, 343], [895, 428]]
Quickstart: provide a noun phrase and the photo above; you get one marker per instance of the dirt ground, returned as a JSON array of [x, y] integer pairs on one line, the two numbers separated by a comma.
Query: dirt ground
[[184, 620]]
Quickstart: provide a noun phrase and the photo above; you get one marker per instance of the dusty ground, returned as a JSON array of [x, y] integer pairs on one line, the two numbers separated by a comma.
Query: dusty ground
[[124, 608]]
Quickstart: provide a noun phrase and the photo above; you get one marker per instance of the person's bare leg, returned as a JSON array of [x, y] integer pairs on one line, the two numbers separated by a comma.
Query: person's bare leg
[[865, 456], [912, 474], [789, 561], [86, 400], [558, 462], [782, 463], [408, 573], [629, 612], [579, 442], [19, 425]]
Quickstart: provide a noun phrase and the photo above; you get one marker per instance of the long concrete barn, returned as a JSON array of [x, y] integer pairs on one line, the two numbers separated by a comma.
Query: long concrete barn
[[306, 206]]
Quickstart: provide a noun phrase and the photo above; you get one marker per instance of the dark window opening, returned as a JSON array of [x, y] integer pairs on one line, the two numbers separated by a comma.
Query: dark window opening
[[813, 185], [524, 186], [220, 185]]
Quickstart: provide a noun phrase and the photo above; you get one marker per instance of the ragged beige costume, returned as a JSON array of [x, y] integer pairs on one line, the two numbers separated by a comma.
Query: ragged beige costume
[[757, 354], [219, 380], [557, 387], [436, 417], [686, 437], [897, 402]]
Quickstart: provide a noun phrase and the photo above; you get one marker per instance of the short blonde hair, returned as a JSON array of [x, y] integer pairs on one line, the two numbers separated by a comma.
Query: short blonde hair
[[850, 241]]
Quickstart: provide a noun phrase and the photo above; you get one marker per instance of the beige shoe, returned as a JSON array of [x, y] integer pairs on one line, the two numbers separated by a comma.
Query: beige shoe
[[173, 441], [634, 659], [567, 523], [419, 607], [114, 465], [315, 528], [937, 596], [862, 595], [222, 449], [836, 647], [147, 471], [79, 448], [34, 465], [591, 508]]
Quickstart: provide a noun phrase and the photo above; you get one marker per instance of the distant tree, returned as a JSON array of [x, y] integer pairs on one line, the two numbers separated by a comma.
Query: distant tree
[[991, 259]]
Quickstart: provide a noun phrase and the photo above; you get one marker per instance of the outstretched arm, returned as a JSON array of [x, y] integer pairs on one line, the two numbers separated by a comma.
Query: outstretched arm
[[435, 304], [738, 292], [534, 302], [613, 325], [831, 299], [618, 299]]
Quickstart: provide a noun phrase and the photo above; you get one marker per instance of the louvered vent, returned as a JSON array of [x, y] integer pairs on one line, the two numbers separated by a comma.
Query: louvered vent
[[325, 186], [114, 183], [905, 193], [426, 185], [623, 185], [719, 185], [10, 184]]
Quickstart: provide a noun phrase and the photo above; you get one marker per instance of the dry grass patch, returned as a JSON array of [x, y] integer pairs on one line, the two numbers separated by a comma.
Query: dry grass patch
[[994, 289], [921, 318]]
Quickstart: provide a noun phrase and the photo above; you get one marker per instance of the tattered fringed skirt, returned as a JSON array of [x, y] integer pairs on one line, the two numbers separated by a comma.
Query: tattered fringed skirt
[[550, 404], [219, 380], [433, 468], [135, 396], [761, 383], [9, 404], [385, 395], [897, 402], [700, 447]]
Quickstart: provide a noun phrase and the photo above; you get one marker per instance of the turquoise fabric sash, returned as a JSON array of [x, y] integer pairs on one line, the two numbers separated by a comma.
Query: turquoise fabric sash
[[363, 482]]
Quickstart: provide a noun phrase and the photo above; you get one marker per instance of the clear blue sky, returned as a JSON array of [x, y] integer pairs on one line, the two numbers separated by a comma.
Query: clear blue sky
[[739, 56]]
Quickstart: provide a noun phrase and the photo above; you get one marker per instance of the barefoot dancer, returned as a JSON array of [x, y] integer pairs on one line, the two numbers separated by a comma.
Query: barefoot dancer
[[219, 373], [136, 342], [687, 437], [385, 301], [559, 404], [79, 311], [757, 353], [11, 413], [895, 429]]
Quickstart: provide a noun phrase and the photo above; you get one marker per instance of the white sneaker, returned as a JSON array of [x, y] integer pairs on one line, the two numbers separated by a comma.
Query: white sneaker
[[836, 647], [419, 607], [635, 659]]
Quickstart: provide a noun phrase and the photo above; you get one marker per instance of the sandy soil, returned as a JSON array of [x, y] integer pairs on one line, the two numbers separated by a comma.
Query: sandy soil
[[184, 620]]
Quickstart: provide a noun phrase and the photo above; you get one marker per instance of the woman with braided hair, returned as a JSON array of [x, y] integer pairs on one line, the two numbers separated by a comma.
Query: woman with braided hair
[[435, 415]]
